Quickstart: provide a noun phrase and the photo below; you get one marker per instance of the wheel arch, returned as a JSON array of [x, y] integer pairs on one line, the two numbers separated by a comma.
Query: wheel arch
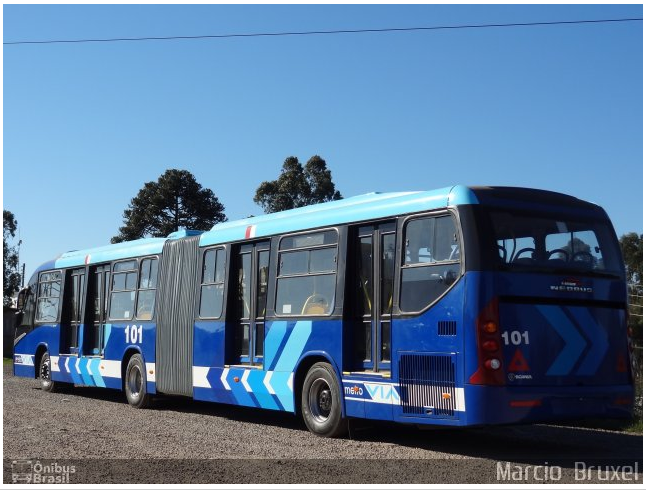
[[125, 359], [40, 351], [306, 361]]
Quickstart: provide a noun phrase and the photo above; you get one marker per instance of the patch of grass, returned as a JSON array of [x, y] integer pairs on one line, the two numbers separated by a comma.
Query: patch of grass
[[636, 426], [6, 360]]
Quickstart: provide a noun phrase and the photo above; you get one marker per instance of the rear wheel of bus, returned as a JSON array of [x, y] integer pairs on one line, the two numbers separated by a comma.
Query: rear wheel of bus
[[321, 401], [135, 383]]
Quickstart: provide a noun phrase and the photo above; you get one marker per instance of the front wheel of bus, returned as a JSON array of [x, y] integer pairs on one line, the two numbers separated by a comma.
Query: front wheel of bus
[[321, 401], [45, 375], [135, 383]]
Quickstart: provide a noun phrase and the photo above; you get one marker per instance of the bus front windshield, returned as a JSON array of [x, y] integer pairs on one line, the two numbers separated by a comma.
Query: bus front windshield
[[555, 243]]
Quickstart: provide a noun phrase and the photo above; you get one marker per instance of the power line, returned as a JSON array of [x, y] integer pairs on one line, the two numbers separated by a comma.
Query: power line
[[338, 31]]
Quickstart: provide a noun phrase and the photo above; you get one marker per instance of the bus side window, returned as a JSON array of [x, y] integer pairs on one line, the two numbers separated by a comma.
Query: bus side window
[[147, 288], [124, 285], [49, 295], [307, 274], [212, 284], [29, 309], [425, 277]]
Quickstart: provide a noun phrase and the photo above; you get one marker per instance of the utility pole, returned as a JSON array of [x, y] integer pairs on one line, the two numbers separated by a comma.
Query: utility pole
[[22, 275]]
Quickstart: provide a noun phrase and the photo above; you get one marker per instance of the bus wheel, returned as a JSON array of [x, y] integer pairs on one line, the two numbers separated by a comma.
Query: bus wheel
[[135, 383], [321, 401], [45, 375]]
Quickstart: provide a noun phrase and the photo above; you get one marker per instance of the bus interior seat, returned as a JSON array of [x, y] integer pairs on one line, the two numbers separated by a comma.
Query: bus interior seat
[[316, 304], [524, 260]]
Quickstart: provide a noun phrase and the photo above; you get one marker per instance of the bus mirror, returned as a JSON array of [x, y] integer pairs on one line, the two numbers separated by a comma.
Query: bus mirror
[[22, 299], [450, 277]]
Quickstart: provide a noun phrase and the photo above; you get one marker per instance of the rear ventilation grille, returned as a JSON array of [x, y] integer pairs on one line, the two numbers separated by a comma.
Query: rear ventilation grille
[[447, 327], [427, 385]]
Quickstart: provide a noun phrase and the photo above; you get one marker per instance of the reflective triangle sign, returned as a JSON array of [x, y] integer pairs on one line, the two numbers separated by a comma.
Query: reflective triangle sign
[[518, 362]]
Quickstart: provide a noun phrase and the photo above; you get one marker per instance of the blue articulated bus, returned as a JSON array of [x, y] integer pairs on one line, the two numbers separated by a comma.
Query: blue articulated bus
[[463, 306]]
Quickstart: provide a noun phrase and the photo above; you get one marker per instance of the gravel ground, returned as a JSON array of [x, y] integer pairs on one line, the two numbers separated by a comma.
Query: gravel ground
[[181, 441]]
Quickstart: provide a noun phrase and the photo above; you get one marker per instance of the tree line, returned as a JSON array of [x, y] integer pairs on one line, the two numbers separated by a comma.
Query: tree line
[[176, 200]]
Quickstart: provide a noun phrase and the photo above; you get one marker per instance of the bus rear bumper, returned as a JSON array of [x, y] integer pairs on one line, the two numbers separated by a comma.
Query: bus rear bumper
[[485, 405]]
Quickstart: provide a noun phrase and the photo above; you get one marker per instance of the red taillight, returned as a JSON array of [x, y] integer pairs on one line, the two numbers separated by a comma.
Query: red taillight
[[490, 345], [490, 370], [623, 401], [525, 403]]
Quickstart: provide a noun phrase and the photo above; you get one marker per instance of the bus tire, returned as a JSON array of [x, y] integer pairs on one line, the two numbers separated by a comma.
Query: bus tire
[[135, 383], [45, 375], [321, 402]]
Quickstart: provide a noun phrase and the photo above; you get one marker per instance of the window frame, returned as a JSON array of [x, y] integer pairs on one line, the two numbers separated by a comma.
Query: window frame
[[140, 261], [60, 296], [401, 265], [201, 284], [277, 277], [113, 264]]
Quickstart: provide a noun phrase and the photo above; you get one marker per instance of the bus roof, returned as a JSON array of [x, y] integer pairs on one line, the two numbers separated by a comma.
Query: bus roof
[[374, 205]]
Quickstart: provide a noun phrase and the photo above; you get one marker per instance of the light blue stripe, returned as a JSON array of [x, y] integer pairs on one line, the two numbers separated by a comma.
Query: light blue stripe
[[574, 343], [461, 195], [96, 372], [85, 372], [146, 246], [238, 390], [285, 395], [255, 380], [72, 367], [107, 330], [365, 207], [294, 347], [359, 208], [273, 340]]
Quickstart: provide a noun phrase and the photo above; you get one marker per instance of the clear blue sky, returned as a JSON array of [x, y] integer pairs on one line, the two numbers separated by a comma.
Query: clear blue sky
[[85, 125]]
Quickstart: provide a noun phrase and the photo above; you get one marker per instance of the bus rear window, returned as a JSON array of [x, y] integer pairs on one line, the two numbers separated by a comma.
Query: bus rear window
[[554, 243]]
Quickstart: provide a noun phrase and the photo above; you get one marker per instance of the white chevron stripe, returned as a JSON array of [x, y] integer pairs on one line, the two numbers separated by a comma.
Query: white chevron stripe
[[223, 378], [200, 377], [150, 366], [54, 364], [67, 365], [244, 380], [267, 384], [76, 365]]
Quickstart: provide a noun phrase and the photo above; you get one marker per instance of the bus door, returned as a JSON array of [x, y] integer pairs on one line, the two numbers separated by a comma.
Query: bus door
[[97, 310], [71, 319], [373, 278], [251, 301]]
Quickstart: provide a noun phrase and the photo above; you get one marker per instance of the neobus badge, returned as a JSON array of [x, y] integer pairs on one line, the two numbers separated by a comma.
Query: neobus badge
[[572, 285]]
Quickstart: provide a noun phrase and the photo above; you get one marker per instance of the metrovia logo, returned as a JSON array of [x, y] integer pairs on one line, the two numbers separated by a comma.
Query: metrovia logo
[[353, 390], [571, 285]]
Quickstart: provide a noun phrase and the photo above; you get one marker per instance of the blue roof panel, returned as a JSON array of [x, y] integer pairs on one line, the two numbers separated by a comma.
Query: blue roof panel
[[365, 207], [108, 253], [355, 209]]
